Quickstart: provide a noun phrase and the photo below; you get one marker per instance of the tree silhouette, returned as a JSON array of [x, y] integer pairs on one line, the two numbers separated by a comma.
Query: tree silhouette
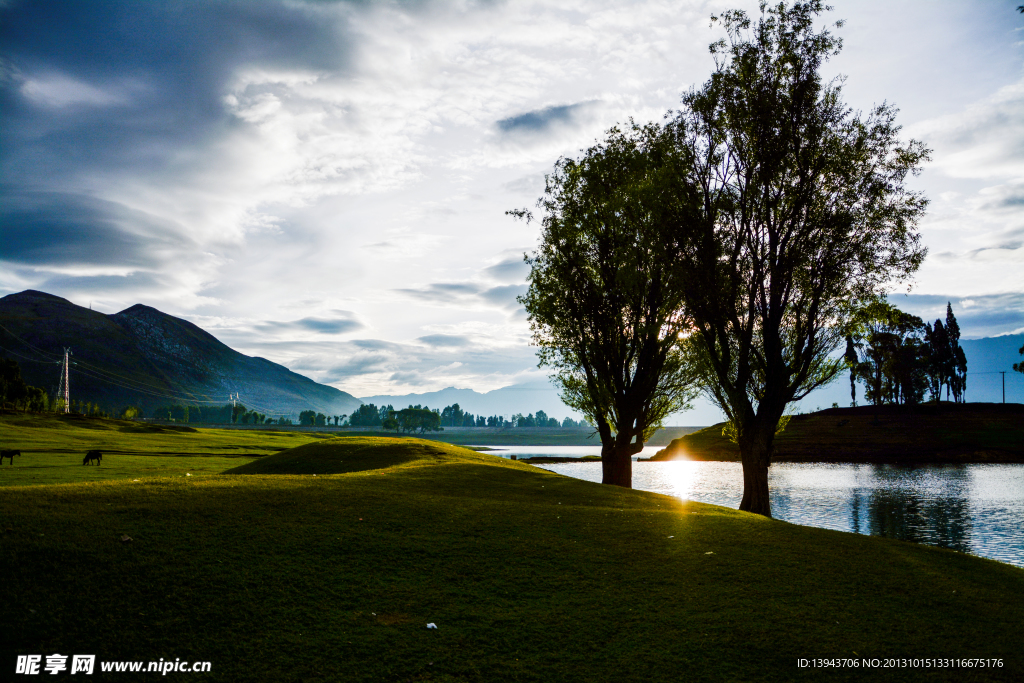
[[794, 210]]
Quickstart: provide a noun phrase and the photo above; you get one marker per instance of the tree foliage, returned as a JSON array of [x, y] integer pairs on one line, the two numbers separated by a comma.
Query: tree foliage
[[603, 302], [16, 393], [793, 210], [367, 415], [893, 361], [418, 418]]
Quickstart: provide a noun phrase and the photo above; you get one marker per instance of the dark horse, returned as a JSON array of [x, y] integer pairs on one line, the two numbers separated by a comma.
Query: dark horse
[[93, 455], [8, 454]]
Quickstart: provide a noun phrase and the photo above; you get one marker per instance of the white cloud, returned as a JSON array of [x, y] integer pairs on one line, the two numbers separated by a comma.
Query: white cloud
[[59, 91], [977, 233], [985, 141]]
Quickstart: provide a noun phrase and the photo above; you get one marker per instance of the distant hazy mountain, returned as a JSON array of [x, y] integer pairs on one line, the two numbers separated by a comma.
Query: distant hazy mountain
[[985, 357], [517, 398], [146, 358]]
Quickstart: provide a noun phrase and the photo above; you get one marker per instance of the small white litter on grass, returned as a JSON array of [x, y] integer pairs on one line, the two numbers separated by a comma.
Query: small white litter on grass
[[188, 474], [709, 553], [671, 536], [431, 625]]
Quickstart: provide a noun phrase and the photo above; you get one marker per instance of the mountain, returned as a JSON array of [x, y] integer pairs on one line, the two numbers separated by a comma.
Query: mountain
[[525, 398], [147, 358]]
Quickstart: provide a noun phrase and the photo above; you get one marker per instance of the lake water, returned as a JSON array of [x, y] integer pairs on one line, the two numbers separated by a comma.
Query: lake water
[[978, 509]]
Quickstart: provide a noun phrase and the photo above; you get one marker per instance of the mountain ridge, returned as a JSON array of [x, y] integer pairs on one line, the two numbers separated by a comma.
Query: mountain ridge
[[144, 357]]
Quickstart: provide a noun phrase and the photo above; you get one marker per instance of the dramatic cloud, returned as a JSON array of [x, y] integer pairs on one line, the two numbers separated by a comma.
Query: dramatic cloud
[[467, 294], [444, 340], [511, 269], [978, 316], [339, 325], [49, 228], [547, 121], [288, 173]]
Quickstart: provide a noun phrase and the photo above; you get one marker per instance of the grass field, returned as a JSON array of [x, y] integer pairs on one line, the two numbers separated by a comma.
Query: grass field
[[528, 436], [53, 447], [326, 562]]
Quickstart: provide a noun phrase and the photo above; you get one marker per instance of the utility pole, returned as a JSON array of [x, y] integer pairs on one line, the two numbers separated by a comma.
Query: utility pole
[[1003, 373]]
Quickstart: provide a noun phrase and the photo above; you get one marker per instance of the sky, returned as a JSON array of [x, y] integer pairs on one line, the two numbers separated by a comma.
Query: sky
[[324, 184]]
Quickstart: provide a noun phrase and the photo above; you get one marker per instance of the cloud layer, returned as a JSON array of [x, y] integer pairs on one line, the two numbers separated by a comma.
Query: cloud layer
[[325, 183]]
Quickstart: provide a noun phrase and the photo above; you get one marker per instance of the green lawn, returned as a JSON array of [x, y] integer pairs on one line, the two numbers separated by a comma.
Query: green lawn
[[280, 575], [53, 448]]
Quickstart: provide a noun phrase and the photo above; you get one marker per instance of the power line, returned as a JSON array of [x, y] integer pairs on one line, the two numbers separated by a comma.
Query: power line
[[35, 348], [139, 383], [30, 360], [160, 394]]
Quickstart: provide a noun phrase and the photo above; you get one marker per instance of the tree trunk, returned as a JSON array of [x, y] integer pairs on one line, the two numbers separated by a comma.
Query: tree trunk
[[755, 453], [617, 460], [616, 466]]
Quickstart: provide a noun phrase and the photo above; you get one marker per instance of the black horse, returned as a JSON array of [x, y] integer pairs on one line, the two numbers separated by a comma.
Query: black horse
[[93, 455], [8, 454]]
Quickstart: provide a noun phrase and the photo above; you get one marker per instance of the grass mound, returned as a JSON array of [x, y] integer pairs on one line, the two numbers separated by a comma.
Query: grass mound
[[359, 453]]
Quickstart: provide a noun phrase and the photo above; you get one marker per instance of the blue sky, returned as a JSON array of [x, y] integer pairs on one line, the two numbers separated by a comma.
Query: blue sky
[[325, 183]]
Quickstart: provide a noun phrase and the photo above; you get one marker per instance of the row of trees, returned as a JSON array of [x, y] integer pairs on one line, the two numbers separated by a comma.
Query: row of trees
[[454, 416], [312, 418], [899, 357], [15, 393], [412, 419], [229, 413], [727, 250]]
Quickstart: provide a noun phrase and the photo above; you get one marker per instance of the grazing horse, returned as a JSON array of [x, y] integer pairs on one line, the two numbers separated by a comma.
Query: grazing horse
[[93, 455], [8, 454]]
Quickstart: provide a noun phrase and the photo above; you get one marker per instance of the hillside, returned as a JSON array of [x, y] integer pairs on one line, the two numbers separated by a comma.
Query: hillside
[[327, 562], [147, 358], [944, 433]]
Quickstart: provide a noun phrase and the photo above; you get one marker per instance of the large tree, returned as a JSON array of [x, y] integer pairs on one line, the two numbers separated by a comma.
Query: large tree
[[604, 300], [794, 210]]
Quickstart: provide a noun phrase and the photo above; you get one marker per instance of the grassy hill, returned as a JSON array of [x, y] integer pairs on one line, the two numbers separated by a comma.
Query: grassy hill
[[326, 562], [943, 433]]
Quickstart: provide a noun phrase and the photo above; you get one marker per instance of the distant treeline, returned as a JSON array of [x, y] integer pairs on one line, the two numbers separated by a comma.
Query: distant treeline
[[370, 415], [226, 414]]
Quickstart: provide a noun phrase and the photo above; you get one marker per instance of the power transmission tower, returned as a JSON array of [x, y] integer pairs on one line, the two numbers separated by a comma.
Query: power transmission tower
[[63, 388]]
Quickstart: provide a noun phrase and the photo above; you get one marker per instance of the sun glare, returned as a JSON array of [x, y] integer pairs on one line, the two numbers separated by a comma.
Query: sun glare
[[681, 476]]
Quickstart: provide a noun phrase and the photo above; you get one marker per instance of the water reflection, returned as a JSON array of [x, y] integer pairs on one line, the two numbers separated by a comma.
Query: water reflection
[[909, 504], [970, 508]]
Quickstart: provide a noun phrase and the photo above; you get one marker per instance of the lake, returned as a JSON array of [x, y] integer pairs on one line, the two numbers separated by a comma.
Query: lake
[[977, 509]]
